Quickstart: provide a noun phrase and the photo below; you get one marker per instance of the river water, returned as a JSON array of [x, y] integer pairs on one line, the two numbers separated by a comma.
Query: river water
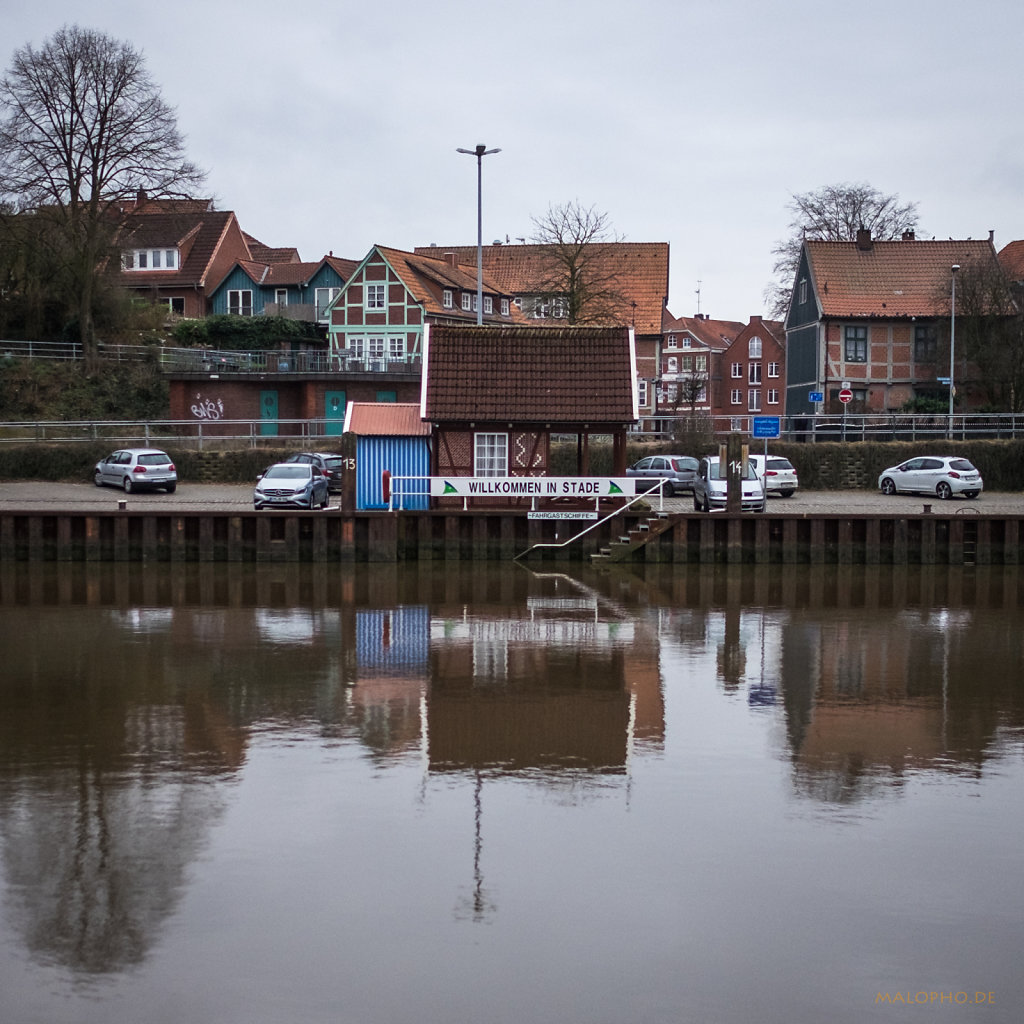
[[379, 795]]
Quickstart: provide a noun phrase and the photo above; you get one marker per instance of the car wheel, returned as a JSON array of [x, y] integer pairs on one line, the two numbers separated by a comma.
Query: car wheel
[[127, 485], [888, 487], [98, 479], [944, 491], [696, 504], [171, 488], [670, 490], [706, 507]]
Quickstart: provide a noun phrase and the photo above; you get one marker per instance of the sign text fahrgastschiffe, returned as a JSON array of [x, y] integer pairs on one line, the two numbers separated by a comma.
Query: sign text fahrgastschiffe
[[532, 487]]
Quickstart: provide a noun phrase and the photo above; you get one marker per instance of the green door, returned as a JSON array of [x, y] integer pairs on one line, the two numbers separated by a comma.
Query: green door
[[334, 412], [268, 413]]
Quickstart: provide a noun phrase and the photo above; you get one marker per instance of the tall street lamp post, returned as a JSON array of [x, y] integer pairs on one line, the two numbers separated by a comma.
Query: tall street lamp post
[[952, 345], [480, 152]]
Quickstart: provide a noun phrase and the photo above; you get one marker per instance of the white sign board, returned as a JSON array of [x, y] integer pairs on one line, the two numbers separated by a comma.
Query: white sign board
[[532, 487]]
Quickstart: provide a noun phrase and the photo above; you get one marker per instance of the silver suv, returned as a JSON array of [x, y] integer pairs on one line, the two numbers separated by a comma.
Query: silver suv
[[711, 483]]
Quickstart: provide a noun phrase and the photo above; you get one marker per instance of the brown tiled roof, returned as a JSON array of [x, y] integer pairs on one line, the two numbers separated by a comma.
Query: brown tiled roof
[[195, 235], [385, 419], [268, 254], [1011, 257], [640, 270], [417, 270], [529, 375], [717, 335], [889, 279]]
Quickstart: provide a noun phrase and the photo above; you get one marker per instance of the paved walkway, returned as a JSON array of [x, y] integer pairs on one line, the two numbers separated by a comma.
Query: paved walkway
[[87, 497]]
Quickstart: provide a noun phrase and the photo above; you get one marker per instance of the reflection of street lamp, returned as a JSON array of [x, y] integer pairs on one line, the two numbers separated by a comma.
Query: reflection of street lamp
[[952, 345], [480, 152]]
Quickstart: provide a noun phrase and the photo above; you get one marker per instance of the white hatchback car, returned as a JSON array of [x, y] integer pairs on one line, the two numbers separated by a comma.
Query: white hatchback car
[[778, 474], [941, 475], [710, 487], [137, 469]]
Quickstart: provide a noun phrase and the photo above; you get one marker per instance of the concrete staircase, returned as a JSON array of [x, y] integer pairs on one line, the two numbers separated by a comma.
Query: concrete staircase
[[621, 549]]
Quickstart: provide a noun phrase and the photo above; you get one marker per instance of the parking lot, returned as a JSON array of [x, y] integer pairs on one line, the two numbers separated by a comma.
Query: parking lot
[[36, 495]]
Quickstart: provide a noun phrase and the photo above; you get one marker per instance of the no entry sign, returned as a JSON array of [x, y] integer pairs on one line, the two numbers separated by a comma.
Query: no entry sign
[[846, 395]]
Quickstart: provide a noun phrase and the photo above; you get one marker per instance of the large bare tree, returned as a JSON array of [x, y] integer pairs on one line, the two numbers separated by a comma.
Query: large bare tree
[[834, 213], [83, 128], [577, 277]]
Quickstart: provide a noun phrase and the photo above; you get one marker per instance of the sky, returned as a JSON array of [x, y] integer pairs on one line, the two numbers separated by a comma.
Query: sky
[[334, 125]]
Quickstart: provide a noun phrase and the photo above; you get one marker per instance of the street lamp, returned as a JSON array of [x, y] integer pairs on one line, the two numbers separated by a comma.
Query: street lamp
[[952, 345], [480, 152]]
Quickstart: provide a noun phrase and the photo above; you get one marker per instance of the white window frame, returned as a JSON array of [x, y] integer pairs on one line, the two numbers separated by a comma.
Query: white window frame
[[687, 341], [641, 391], [467, 301], [754, 400], [150, 259], [672, 364], [736, 397], [701, 363], [447, 300], [670, 341], [754, 348], [490, 454], [753, 373], [238, 306], [376, 346], [375, 296], [773, 369], [773, 396], [687, 364], [505, 311], [396, 347], [737, 371], [488, 304], [355, 345], [321, 305], [281, 296]]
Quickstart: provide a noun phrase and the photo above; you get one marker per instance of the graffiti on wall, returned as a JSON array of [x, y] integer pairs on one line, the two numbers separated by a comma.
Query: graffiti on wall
[[207, 408]]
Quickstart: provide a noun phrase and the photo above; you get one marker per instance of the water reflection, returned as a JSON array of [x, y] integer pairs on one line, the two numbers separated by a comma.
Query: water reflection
[[132, 698]]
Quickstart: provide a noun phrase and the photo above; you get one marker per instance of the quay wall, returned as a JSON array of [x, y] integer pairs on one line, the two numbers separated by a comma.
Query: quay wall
[[494, 535]]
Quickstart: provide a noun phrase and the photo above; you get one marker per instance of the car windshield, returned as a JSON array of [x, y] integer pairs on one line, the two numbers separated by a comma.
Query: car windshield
[[155, 459], [293, 471], [779, 464], [962, 466], [333, 462], [681, 465]]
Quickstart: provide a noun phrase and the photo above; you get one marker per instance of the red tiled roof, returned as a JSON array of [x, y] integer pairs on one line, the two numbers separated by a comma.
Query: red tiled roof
[[529, 375], [717, 335], [637, 270], [889, 279], [268, 254], [1011, 257], [385, 419], [418, 270]]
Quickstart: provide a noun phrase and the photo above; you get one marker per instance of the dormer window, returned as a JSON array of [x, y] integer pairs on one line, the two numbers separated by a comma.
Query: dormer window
[[505, 307], [467, 301], [149, 259], [446, 299]]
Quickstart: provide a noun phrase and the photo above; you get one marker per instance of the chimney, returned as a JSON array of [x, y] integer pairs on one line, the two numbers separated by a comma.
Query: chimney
[[908, 236], [451, 258], [864, 239]]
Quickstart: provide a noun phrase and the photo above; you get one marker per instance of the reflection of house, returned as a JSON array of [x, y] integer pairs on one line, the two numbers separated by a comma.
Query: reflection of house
[[626, 284], [873, 315]]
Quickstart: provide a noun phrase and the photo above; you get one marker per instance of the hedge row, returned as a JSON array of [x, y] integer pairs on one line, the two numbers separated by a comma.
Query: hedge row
[[832, 466]]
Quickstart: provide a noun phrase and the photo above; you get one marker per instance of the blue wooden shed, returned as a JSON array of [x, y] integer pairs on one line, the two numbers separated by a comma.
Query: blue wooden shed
[[390, 436]]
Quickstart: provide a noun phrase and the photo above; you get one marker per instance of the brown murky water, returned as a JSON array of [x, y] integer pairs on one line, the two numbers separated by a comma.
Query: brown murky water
[[430, 795]]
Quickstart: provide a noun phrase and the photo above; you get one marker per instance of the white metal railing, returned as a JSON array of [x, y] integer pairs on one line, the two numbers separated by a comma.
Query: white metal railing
[[849, 427], [196, 433]]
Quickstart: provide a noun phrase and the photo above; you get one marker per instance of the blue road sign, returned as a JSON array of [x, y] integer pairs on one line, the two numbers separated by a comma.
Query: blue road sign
[[816, 396], [766, 426]]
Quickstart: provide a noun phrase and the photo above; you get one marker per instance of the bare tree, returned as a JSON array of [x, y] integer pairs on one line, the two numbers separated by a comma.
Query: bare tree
[[989, 334], [578, 279], [833, 213], [83, 128]]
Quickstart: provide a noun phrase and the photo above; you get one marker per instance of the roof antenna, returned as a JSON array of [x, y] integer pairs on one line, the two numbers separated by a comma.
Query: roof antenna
[[698, 299]]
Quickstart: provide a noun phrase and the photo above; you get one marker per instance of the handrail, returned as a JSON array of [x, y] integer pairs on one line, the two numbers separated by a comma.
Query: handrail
[[593, 526]]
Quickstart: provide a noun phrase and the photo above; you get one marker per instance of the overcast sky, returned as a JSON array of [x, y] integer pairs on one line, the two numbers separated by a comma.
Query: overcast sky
[[330, 125]]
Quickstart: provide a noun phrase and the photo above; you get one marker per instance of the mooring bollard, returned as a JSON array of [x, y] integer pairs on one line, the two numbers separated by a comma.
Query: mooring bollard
[[927, 510], [122, 505]]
